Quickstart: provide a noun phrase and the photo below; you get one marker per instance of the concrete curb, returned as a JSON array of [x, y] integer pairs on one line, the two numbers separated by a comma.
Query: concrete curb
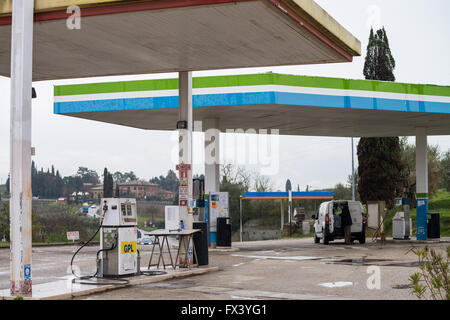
[[411, 241], [216, 249], [58, 245], [139, 280]]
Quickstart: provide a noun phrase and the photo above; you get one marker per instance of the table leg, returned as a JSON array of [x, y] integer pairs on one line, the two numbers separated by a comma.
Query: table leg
[[170, 254], [178, 251], [161, 256], [151, 255], [187, 252], [195, 253]]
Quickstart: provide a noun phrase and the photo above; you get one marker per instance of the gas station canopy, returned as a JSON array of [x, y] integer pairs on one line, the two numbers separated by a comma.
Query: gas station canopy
[[139, 37], [296, 105]]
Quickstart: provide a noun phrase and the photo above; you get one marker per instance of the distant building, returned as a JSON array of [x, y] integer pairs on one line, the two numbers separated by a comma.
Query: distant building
[[166, 194], [138, 189], [142, 189], [87, 186], [96, 192]]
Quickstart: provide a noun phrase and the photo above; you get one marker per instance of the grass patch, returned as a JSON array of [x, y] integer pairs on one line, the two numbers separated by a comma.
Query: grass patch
[[441, 200], [298, 234]]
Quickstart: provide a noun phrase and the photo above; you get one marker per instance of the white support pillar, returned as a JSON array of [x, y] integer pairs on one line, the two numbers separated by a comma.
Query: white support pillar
[[212, 164], [185, 152], [282, 216], [20, 146], [421, 183], [240, 219], [185, 145], [353, 173], [212, 155]]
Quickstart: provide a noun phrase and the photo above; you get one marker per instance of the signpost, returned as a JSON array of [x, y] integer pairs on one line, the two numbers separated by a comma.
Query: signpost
[[73, 235], [183, 190]]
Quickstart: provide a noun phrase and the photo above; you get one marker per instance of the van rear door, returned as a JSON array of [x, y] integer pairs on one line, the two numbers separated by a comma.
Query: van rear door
[[355, 212]]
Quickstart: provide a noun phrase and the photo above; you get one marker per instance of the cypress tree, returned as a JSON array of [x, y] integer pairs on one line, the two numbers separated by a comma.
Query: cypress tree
[[110, 185], [107, 184], [379, 63], [380, 165]]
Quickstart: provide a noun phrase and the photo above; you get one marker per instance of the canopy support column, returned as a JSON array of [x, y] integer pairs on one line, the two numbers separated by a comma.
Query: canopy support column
[[212, 162], [185, 138], [240, 218], [421, 183], [20, 147], [212, 155], [282, 216]]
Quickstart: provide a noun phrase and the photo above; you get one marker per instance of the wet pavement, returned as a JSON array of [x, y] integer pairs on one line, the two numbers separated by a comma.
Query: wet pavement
[[273, 269]]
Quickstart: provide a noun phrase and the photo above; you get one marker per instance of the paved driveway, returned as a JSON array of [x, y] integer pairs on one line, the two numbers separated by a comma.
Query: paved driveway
[[274, 269], [292, 269]]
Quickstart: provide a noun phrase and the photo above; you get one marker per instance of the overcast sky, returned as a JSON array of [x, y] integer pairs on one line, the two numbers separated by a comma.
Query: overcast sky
[[418, 32]]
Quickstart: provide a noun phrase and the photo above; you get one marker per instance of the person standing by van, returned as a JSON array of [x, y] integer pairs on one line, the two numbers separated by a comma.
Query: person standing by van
[[346, 222]]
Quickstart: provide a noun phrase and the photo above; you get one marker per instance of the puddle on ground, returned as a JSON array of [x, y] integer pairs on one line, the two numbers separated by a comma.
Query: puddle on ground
[[405, 264], [402, 286], [297, 258], [363, 261], [337, 284], [169, 285], [358, 261]]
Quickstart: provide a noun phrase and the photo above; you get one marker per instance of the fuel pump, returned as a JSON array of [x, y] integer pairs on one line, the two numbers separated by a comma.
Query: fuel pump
[[118, 254], [118, 238]]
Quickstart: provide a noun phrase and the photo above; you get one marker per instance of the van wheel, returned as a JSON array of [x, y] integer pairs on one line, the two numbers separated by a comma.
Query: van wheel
[[316, 239], [362, 238]]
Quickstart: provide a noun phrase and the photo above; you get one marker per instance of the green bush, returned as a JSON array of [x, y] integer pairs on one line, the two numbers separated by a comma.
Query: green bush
[[433, 278]]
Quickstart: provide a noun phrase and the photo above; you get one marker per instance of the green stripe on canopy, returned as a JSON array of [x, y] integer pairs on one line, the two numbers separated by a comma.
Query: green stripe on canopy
[[254, 80]]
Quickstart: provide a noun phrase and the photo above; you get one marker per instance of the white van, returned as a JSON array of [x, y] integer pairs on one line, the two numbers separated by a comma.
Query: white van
[[327, 226]]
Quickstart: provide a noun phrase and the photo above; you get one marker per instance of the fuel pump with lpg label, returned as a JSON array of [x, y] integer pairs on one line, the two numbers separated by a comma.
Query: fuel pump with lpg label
[[118, 238], [118, 255]]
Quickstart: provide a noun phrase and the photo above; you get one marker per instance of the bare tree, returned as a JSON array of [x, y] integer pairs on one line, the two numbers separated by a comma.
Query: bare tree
[[262, 183]]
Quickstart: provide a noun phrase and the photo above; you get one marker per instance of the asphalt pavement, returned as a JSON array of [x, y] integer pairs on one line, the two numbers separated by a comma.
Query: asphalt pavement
[[272, 269]]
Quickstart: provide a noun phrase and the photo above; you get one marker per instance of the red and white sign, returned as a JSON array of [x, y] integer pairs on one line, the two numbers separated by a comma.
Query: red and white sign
[[73, 235], [183, 190], [183, 193], [183, 167]]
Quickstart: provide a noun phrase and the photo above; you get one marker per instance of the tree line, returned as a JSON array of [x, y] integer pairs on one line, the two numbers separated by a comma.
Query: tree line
[[49, 184]]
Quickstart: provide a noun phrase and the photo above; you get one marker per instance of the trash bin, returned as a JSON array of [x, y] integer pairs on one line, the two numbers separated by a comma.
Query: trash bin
[[223, 232], [433, 226], [201, 243]]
